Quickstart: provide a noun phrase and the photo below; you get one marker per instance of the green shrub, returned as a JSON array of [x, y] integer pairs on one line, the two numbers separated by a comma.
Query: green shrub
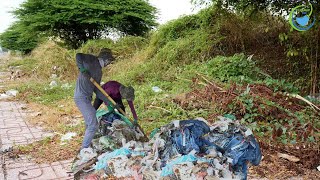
[[236, 68]]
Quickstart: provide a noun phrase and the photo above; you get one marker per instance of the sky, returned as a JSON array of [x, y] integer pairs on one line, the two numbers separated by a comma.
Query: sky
[[5, 17], [168, 10]]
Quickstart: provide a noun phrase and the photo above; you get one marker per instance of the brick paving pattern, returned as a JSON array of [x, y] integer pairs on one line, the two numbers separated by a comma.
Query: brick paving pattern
[[15, 131]]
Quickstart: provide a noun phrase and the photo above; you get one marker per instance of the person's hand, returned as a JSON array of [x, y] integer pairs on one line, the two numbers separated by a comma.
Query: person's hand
[[85, 72], [135, 122], [82, 70]]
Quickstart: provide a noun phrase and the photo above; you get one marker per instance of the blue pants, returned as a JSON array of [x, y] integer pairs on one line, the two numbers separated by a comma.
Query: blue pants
[[89, 115]]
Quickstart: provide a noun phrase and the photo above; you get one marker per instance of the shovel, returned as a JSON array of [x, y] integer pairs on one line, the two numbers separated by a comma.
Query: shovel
[[137, 126]]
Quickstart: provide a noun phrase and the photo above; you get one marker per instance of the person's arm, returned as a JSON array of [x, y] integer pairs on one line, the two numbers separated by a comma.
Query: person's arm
[[79, 61], [97, 103], [100, 96], [133, 111]]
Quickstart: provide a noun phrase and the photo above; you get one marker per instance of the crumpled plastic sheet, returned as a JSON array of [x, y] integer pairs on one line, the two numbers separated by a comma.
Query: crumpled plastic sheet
[[85, 155], [239, 144], [103, 158], [168, 169], [189, 149]]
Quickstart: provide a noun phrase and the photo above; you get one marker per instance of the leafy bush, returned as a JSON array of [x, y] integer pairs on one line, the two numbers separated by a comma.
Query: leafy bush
[[124, 47], [235, 68]]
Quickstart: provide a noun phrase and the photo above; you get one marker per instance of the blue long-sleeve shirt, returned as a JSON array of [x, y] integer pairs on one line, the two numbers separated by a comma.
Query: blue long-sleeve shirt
[[84, 87]]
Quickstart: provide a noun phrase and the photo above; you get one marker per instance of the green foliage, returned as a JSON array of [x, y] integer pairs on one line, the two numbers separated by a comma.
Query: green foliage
[[285, 128], [250, 7], [191, 26], [77, 21], [182, 49], [237, 68], [19, 37], [125, 47], [281, 85]]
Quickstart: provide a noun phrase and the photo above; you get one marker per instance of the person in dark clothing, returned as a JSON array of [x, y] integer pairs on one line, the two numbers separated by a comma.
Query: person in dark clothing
[[90, 66], [117, 92]]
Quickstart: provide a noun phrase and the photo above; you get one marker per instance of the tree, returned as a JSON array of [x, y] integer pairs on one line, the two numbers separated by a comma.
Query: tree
[[77, 21], [250, 6], [19, 37]]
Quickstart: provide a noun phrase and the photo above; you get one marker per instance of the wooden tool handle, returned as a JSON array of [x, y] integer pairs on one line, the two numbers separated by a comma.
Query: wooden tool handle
[[107, 95]]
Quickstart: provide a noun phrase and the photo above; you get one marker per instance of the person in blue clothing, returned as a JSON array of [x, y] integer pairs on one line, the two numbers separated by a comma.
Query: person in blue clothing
[[90, 66]]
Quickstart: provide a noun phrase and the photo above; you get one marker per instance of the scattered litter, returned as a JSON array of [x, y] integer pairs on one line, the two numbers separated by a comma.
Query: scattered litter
[[168, 169], [68, 136], [318, 168], [186, 149], [66, 86], [106, 143], [12, 92], [22, 173], [156, 89], [4, 96], [72, 121], [288, 157], [86, 154], [85, 158], [53, 76], [53, 84], [36, 114], [23, 107]]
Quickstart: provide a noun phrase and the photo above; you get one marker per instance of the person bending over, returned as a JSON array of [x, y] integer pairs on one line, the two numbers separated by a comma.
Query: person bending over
[[117, 92]]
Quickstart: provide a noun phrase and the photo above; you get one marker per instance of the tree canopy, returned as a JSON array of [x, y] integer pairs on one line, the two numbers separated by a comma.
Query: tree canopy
[[250, 6], [19, 37], [77, 21]]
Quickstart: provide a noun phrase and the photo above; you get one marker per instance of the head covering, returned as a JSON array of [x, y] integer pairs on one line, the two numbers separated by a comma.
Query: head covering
[[106, 55], [127, 92]]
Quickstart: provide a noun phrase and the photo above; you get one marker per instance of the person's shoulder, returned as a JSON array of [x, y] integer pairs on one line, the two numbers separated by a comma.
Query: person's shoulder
[[84, 56], [112, 84]]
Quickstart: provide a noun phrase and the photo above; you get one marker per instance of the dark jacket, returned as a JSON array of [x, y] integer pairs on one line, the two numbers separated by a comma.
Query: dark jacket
[[84, 87]]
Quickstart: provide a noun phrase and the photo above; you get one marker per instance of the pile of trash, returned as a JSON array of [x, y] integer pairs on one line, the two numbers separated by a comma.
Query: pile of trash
[[186, 149]]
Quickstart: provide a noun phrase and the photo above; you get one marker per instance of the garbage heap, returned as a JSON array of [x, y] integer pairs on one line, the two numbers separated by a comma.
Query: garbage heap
[[186, 149]]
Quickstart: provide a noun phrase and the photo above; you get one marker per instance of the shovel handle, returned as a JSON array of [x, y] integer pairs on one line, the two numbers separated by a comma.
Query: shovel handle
[[107, 95]]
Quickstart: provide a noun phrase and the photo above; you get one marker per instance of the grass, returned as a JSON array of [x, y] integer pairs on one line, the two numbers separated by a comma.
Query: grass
[[43, 93], [173, 58]]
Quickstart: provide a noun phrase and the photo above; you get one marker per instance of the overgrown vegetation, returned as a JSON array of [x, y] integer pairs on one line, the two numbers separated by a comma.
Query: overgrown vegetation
[[75, 22], [234, 65]]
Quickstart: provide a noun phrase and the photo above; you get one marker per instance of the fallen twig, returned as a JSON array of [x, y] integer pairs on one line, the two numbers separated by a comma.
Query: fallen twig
[[303, 99]]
